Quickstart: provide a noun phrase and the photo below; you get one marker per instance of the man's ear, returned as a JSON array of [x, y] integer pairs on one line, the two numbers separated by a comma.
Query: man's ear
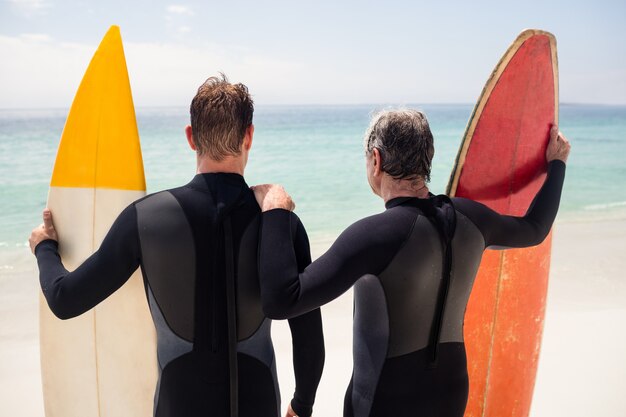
[[377, 162], [189, 135], [247, 139]]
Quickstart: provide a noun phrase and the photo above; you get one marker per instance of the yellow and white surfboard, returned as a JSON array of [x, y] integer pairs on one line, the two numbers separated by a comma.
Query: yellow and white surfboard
[[102, 363]]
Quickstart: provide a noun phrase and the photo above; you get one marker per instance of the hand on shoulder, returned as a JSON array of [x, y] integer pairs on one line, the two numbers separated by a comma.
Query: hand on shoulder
[[272, 196]]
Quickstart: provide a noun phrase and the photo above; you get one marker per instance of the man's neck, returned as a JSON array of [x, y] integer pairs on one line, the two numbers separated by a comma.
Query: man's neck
[[230, 164], [391, 188]]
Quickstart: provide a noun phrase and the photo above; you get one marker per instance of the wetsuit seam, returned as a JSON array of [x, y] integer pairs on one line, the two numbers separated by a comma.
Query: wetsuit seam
[[195, 260], [256, 329], [183, 210], [294, 234], [144, 274], [202, 190], [273, 363], [156, 300], [402, 245], [146, 197], [146, 283], [475, 225], [388, 316], [254, 332], [138, 238]]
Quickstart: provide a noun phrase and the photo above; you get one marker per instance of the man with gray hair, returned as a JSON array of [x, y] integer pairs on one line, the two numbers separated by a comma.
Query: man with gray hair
[[407, 264]]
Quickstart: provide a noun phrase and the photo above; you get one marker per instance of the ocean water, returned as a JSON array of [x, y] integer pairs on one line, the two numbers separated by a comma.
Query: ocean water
[[316, 152]]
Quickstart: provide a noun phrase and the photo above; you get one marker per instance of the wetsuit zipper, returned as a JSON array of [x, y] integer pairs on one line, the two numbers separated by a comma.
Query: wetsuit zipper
[[216, 240], [231, 313], [441, 300], [445, 229]]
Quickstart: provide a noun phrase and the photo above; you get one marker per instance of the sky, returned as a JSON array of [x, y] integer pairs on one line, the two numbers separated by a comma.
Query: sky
[[306, 52]]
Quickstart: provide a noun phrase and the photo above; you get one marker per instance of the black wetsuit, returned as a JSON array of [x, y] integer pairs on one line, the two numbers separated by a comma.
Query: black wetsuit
[[197, 246], [412, 268]]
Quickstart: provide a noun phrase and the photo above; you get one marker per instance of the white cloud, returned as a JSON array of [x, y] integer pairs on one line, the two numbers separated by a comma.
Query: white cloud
[[177, 21], [179, 9], [169, 74], [36, 37], [30, 7], [47, 74], [39, 72]]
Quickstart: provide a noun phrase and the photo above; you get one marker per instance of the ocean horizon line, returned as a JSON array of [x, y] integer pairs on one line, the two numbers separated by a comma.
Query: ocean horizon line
[[312, 105]]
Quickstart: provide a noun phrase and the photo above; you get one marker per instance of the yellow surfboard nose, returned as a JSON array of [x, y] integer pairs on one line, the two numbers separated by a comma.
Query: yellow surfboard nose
[[100, 142]]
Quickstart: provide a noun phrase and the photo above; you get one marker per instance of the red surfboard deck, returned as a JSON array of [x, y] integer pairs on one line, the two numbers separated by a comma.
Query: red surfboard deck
[[501, 163]]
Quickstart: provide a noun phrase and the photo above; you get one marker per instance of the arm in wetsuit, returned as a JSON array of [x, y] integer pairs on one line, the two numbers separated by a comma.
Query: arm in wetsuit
[[366, 247], [369, 245], [307, 340], [70, 294], [501, 232]]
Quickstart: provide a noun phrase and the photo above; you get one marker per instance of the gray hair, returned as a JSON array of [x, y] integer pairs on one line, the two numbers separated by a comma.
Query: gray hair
[[404, 141]]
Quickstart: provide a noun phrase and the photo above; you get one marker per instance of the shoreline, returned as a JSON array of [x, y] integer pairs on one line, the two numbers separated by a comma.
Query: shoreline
[[585, 318], [321, 241]]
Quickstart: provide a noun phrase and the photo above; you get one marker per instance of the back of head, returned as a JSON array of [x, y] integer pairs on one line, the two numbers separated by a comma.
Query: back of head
[[404, 141], [220, 114]]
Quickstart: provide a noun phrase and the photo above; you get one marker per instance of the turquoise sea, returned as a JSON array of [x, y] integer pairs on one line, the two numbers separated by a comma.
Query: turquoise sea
[[316, 152]]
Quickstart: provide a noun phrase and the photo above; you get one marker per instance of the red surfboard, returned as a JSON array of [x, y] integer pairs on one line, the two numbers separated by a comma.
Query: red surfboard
[[502, 164]]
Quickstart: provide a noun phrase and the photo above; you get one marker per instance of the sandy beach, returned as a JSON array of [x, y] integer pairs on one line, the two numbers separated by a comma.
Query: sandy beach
[[582, 369]]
